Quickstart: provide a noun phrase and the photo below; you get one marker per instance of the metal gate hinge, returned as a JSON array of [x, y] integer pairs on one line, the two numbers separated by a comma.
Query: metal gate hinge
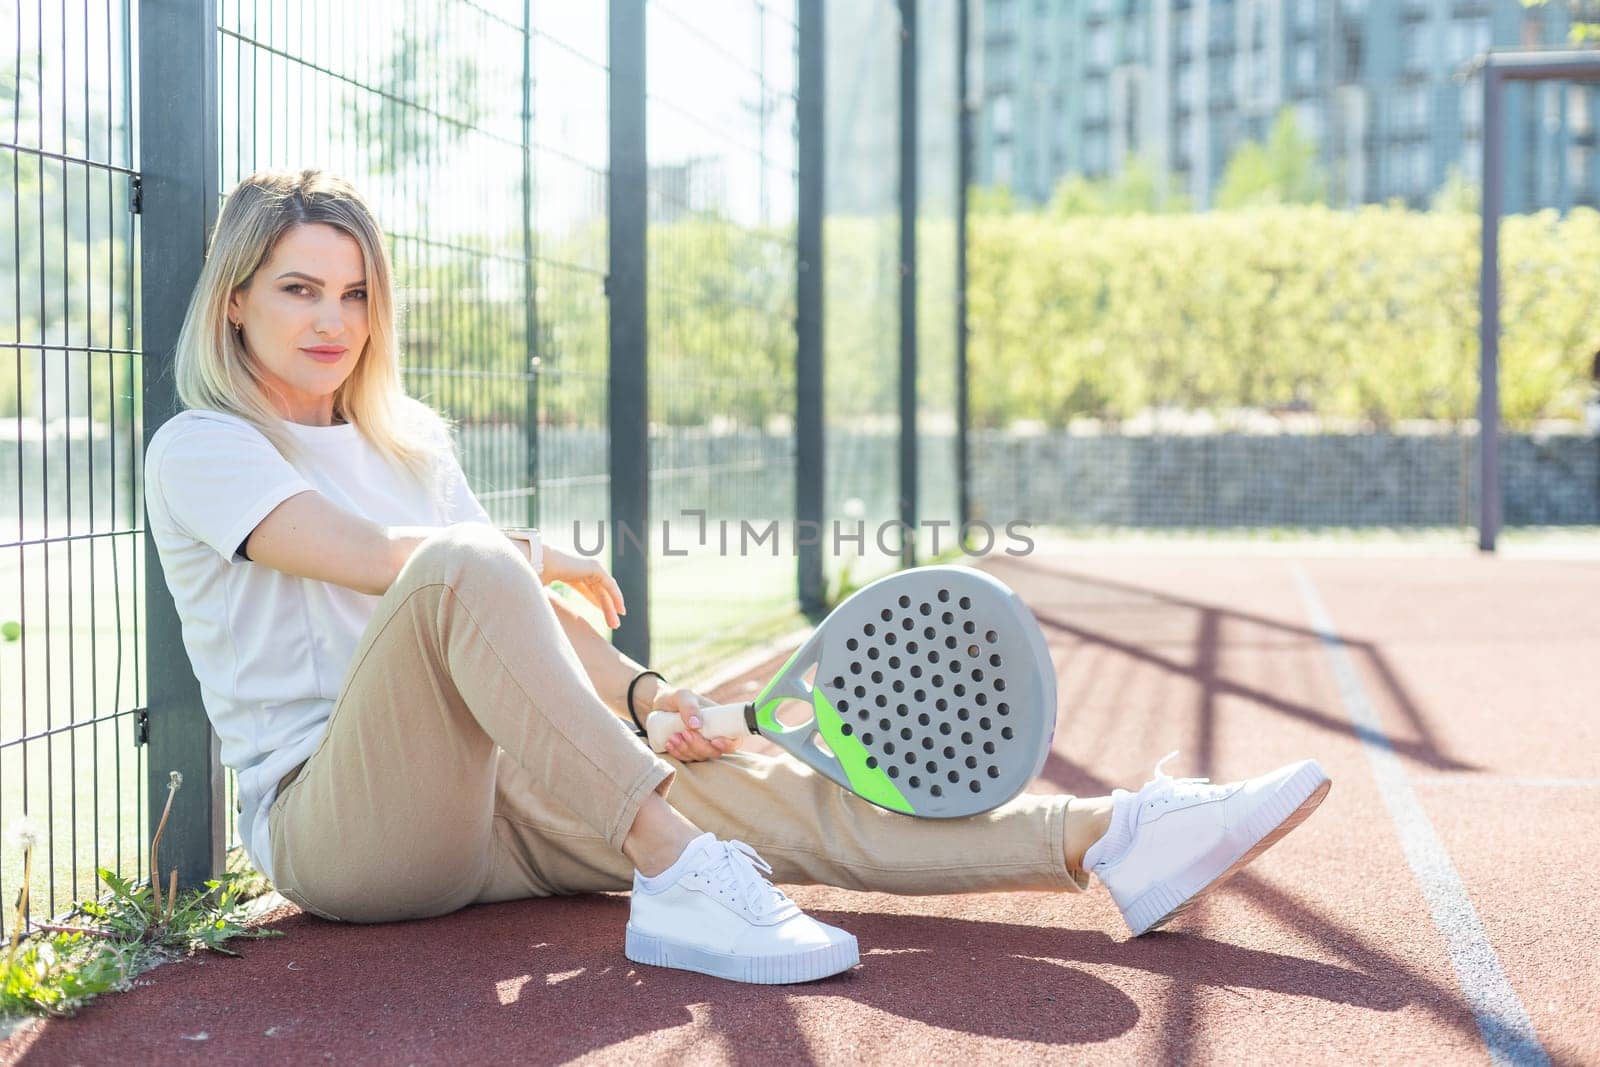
[[142, 731], [136, 196]]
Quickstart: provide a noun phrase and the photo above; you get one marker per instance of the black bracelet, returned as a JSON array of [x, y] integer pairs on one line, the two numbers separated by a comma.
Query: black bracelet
[[633, 714]]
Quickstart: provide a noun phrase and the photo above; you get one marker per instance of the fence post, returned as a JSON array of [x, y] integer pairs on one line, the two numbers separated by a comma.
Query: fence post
[[908, 280], [1501, 72], [963, 180], [529, 285], [178, 205], [810, 443], [627, 392], [1489, 317]]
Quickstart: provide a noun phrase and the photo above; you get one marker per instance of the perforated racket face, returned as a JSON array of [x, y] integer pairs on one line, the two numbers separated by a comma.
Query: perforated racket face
[[933, 690]]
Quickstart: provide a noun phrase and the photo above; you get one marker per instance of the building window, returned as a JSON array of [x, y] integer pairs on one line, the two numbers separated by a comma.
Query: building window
[[1551, 99], [1094, 152], [1414, 45], [1000, 114], [1001, 16], [1580, 100], [1309, 119], [1222, 79], [1133, 42], [1257, 80], [1130, 117], [1468, 37], [1188, 85], [1220, 148], [1482, 36], [1419, 169], [1100, 45], [1095, 101], [1221, 24], [1001, 66], [1411, 109], [1352, 63], [1305, 63], [1472, 105], [1530, 31]]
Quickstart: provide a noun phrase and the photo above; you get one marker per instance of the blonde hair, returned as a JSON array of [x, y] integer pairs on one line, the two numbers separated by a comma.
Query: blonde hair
[[213, 370]]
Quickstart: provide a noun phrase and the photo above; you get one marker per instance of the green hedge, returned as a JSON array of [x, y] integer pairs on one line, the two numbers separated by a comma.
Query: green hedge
[[1370, 314]]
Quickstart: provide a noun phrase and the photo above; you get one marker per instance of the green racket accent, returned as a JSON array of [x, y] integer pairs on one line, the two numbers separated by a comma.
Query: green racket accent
[[870, 782], [767, 719], [786, 665], [764, 713]]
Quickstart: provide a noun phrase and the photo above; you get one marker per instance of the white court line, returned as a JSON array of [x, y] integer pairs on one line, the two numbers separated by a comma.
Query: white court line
[[1504, 1023]]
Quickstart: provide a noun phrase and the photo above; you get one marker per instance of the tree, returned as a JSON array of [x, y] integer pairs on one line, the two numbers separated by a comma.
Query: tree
[[1585, 16], [994, 200], [1283, 171], [1135, 190], [1456, 194]]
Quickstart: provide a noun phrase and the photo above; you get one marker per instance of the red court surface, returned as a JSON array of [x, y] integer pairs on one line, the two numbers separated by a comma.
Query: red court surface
[[1439, 907]]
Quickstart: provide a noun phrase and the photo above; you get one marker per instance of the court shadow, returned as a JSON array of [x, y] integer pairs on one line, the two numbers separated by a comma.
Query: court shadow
[[546, 980], [1093, 611]]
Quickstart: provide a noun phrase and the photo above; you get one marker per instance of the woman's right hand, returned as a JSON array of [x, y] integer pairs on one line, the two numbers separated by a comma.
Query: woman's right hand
[[589, 577], [691, 745]]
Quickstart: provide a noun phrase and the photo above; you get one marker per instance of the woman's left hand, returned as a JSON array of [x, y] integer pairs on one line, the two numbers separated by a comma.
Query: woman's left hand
[[591, 580], [691, 745]]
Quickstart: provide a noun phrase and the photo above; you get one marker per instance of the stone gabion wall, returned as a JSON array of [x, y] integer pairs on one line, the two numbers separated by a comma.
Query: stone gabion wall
[[1240, 480], [1056, 479]]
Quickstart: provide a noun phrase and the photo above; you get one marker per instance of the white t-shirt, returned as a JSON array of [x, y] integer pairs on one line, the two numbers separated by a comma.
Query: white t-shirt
[[270, 649]]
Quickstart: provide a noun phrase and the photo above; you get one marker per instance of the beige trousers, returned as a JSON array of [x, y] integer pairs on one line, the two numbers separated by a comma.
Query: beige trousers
[[468, 758]]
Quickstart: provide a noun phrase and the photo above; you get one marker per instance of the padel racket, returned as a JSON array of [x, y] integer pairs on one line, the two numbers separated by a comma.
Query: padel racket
[[930, 692]]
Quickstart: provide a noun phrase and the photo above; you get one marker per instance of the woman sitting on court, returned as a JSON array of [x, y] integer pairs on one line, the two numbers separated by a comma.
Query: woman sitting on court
[[418, 724]]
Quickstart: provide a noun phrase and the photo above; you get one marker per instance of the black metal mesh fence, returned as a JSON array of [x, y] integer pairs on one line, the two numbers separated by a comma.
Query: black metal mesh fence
[[1548, 305], [568, 142], [938, 288], [861, 248], [723, 198], [1225, 267], [421, 106], [71, 580], [479, 134]]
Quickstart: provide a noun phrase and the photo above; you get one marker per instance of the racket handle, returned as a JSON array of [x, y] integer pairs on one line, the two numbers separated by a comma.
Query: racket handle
[[721, 720]]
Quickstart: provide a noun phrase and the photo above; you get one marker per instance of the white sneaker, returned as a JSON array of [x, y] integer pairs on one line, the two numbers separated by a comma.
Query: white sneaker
[[712, 911], [1178, 837]]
